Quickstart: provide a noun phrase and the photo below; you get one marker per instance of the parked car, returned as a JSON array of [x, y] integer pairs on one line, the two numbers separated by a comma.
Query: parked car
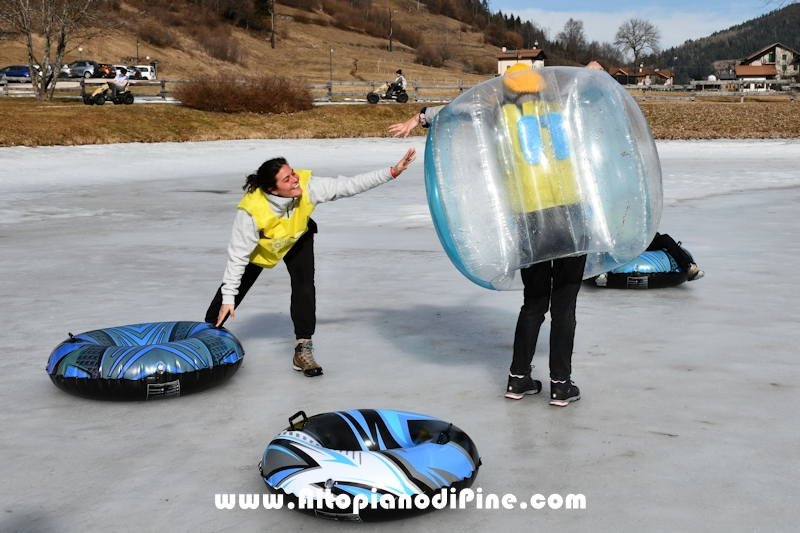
[[130, 71], [65, 71], [84, 69], [133, 73], [18, 73], [147, 72], [105, 70]]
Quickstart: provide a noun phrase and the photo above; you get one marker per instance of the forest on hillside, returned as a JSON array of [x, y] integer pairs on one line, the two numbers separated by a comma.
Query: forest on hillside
[[502, 30]]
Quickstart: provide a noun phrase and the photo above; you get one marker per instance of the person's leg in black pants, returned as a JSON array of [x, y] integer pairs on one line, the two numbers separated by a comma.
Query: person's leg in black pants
[[300, 264], [567, 277], [536, 279], [554, 284], [249, 277]]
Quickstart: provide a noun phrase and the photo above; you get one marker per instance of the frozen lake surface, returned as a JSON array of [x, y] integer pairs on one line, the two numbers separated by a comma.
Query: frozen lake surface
[[688, 417]]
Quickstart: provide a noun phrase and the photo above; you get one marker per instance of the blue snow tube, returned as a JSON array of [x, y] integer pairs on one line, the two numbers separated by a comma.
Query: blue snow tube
[[396, 464], [145, 361], [650, 270]]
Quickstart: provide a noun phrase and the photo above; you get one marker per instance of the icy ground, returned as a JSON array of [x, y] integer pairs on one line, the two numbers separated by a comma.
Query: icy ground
[[689, 409]]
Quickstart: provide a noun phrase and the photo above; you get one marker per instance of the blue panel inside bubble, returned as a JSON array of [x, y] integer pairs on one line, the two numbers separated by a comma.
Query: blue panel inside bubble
[[530, 139], [558, 134]]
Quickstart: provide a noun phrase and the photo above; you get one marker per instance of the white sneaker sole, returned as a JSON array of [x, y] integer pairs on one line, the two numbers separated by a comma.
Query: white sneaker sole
[[564, 403]]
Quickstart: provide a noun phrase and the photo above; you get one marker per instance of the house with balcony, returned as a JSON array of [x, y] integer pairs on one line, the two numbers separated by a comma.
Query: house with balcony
[[763, 68]]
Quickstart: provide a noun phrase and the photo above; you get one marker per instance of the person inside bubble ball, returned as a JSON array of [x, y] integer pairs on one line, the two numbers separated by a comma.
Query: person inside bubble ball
[[551, 284]]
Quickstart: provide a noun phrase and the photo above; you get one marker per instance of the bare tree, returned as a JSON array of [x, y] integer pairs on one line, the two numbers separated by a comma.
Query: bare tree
[[58, 22], [611, 53], [638, 35], [445, 42], [573, 38], [532, 34]]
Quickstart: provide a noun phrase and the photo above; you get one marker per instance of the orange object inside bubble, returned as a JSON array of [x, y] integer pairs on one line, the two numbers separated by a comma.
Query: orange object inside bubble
[[526, 81]]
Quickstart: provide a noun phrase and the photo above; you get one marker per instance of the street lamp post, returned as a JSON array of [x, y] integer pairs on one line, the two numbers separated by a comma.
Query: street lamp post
[[330, 79], [272, 22], [80, 51], [675, 69], [390, 28], [137, 51]]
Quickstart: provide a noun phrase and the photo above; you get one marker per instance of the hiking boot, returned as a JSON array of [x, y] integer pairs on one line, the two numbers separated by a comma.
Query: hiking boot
[[518, 387], [694, 273], [563, 392], [304, 359]]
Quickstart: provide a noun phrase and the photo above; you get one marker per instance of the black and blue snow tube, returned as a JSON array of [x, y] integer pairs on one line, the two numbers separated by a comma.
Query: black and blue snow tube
[[369, 464], [145, 361], [650, 270]]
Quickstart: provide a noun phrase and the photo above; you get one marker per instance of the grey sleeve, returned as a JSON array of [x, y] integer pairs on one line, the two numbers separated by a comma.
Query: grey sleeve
[[431, 112], [244, 239], [322, 190]]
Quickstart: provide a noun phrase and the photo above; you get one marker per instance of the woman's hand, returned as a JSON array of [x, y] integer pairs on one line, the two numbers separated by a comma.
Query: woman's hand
[[410, 156], [402, 129], [224, 311]]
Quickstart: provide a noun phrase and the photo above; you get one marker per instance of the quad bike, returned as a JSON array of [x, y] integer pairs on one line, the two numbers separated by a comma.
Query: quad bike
[[400, 95], [103, 94]]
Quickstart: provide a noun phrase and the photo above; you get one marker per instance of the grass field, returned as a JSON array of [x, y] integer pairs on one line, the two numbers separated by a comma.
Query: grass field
[[68, 122]]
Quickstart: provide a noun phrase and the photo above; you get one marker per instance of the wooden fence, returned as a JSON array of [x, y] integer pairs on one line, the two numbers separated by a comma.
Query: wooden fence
[[356, 91], [708, 89], [337, 92], [158, 88], [343, 90]]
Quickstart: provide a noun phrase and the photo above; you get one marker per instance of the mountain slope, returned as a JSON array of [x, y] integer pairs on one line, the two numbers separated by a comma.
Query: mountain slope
[[183, 47], [695, 58]]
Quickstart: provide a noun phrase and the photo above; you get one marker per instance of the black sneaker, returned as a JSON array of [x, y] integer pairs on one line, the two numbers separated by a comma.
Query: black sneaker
[[563, 392], [518, 387]]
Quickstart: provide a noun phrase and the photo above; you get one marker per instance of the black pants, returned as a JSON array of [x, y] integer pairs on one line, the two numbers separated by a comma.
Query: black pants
[[662, 241], [554, 284], [300, 264]]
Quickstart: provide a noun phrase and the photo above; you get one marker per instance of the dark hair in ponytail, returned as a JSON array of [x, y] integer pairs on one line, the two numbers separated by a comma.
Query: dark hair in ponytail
[[264, 179]]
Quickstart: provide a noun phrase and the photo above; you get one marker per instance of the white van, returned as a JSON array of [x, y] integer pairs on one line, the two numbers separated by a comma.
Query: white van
[[148, 72]]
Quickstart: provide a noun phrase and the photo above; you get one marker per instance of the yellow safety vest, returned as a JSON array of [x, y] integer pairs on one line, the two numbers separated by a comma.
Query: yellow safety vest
[[277, 235]]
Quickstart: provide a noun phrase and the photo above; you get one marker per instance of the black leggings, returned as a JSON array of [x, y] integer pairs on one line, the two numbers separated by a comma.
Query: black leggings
[[300, 264], [554, 285]]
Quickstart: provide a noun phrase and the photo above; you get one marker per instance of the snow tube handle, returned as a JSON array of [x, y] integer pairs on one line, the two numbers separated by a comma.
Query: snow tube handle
[[299, 413], [444, 436]]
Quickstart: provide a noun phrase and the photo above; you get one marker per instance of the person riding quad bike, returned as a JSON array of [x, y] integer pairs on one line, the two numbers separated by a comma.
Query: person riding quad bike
[[398, 85], [390, 91], [118, 88]]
